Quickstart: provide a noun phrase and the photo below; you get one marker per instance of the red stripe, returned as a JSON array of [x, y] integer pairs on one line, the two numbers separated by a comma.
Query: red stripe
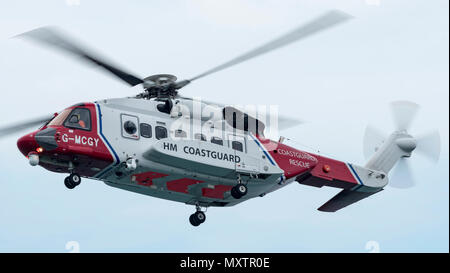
[[146, 179], [181, 185], [217, 192]]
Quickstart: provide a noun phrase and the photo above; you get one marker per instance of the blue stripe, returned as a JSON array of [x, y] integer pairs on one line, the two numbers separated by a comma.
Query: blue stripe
[[264, 151], [107, 142], [281, 179], [354, 172]]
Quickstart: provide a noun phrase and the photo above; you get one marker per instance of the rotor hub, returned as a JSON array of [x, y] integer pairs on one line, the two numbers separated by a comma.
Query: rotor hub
[[160, 85], [407, 144], [160, 79]]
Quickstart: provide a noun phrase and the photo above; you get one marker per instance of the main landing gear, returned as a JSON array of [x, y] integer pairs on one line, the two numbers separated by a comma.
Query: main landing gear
[[238, 191], [72, 181], [197, 217]]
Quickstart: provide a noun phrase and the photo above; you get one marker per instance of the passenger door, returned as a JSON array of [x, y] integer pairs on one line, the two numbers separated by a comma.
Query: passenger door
[[244, 163]]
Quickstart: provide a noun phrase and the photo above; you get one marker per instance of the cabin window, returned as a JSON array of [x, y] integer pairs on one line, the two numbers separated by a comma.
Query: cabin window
[[79, 118], [180, 133], [160, 132], [146, 130], [237, 145], [217, 140], [201, 137], [129, 127]]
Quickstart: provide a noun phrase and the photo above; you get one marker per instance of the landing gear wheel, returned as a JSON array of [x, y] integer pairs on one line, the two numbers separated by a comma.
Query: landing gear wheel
[[72, 181], [69, 184], [234, 193], [193, 221], [241, 189], [238, 191], [197, 218], [200, 216], [75, 178]]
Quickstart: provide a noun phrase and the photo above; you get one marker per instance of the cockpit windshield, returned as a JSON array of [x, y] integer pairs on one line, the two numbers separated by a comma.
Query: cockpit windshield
[[59, 119]]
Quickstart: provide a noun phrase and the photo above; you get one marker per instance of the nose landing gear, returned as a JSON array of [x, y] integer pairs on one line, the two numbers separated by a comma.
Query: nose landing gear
[[72, 181]]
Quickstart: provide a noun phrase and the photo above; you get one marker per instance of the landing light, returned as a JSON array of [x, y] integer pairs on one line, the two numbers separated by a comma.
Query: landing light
[[39, 149]]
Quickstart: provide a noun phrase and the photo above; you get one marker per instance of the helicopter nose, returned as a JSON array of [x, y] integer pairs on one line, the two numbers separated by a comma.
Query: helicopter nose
[[27, 144]]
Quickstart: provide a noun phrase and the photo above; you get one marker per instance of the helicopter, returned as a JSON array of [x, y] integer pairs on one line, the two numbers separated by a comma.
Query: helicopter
[[201, 153]]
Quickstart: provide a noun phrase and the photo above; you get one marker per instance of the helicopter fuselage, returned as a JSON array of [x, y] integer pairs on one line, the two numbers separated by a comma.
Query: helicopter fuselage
[[131, 144], [170, 163]]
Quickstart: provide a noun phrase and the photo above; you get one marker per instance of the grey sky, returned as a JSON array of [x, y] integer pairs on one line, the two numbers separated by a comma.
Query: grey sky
[[338, 81]]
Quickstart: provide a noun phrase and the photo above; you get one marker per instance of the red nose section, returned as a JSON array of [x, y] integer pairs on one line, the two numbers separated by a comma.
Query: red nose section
[[27, 143]]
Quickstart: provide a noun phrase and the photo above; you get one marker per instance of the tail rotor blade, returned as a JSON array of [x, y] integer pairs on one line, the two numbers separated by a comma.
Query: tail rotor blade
[[402, 177], [429, 145], [373, 138], [403, 113]]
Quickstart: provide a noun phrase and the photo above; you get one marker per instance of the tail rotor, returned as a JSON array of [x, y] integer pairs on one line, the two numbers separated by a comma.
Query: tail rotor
[[384, 151]]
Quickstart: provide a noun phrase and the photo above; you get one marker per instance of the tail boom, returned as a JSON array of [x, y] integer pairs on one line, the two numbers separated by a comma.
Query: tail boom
[[399, 144]]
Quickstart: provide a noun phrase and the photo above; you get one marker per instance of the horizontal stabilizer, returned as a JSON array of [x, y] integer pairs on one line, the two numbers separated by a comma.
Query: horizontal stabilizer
[[343, 199]]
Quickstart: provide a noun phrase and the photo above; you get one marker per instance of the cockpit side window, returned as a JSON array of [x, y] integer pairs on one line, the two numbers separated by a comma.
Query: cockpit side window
[[79, 118]]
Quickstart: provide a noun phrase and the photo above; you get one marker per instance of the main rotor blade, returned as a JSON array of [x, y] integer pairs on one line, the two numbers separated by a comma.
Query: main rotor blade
[[283, 122], [8, 130], [199, 99], [51, 36], [329, 19]]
